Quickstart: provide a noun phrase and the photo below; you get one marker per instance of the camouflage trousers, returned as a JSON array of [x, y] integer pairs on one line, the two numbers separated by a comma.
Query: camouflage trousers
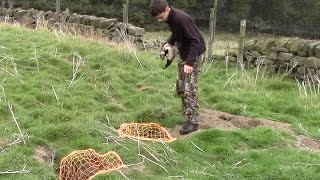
[[187, 89]]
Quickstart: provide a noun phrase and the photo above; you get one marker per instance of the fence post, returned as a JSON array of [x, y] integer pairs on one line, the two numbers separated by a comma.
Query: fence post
[[239, 63], [10, 2], [126, 13], [3, 3], [58, 6], [212, 29]]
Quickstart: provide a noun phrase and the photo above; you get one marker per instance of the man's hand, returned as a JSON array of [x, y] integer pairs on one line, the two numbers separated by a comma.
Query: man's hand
[[187, 69]]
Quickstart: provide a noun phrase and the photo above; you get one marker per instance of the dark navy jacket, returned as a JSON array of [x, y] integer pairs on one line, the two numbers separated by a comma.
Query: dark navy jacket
[[186, 35]]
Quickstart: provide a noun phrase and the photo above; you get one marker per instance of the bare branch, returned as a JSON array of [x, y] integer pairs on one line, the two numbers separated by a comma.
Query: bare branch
[[129, 44], [196, 146], [304, 130], [208, 67], [35, 57], [5, 70], [23, 171], [14, 65], [304, 164], [228, 80], [238, 163], [153, 162], [149, 77], [3, 94], [77, 65], [18, 25]]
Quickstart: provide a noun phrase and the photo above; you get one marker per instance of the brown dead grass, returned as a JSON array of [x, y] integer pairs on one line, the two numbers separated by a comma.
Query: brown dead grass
[[44, 155]]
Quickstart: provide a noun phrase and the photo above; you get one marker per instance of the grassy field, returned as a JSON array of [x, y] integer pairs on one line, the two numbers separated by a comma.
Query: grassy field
[[64, 93]]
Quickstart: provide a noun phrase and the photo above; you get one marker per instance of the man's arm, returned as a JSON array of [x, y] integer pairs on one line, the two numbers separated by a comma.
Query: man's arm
[[171, 40]]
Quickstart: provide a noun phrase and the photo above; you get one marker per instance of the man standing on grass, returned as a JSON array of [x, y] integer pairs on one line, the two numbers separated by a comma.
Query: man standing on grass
[[189, 41]]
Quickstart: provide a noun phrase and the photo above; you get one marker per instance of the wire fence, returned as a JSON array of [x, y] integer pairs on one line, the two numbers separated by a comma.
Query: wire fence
[[308, 31]]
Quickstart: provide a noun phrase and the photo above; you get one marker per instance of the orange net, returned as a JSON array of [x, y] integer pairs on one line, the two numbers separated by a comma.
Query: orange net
[[85, 164], [145, 131]]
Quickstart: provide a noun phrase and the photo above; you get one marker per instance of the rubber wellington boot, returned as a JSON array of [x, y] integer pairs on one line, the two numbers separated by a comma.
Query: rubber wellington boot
[[188, 128]]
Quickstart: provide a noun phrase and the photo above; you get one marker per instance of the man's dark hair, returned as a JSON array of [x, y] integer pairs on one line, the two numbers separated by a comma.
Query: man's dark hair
[[157, 6]]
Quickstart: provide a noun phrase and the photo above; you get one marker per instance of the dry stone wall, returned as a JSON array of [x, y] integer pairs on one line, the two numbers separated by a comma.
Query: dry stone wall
[[75, 24], [297, 57]]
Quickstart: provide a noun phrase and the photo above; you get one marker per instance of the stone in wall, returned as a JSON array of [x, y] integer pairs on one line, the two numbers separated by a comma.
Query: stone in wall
[[266, 48], [280, 70], [74, 18], [273, 56], [302, 49], [299, 61], [107, 23], [20, 13], [86, 20], [284, 65], [285, 57], [250, 45], [289, 43], [279, 49], [263, 60], [84, 29], [50, 15], [302, 71], [51, 23], [250, 57], [259, 46], [312, 62], [99, 33], [282, 42], [96, 22], [131, 30], [78, 24], [311, 45], [297, 57], [64, 16], [8, 12], [29, 17], [136, 31], [295, 46]]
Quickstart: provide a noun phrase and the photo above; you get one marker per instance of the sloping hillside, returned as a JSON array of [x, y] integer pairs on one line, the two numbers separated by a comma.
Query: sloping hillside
[[67, 94]]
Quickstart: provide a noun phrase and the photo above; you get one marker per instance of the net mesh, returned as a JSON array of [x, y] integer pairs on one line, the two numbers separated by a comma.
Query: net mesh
[[85, 164], [145, 131]]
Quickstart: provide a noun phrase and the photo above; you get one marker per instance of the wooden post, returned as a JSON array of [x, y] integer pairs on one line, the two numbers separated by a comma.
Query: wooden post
[[58, 6], [126, 12], [3, 3], [212, 29], [10, 2], [241, 44]]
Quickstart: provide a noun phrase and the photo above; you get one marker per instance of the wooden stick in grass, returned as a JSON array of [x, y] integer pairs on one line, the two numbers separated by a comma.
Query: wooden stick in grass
[[15, 120]]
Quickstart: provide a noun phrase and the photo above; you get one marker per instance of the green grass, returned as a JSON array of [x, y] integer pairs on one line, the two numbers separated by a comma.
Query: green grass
[[114, 87]]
